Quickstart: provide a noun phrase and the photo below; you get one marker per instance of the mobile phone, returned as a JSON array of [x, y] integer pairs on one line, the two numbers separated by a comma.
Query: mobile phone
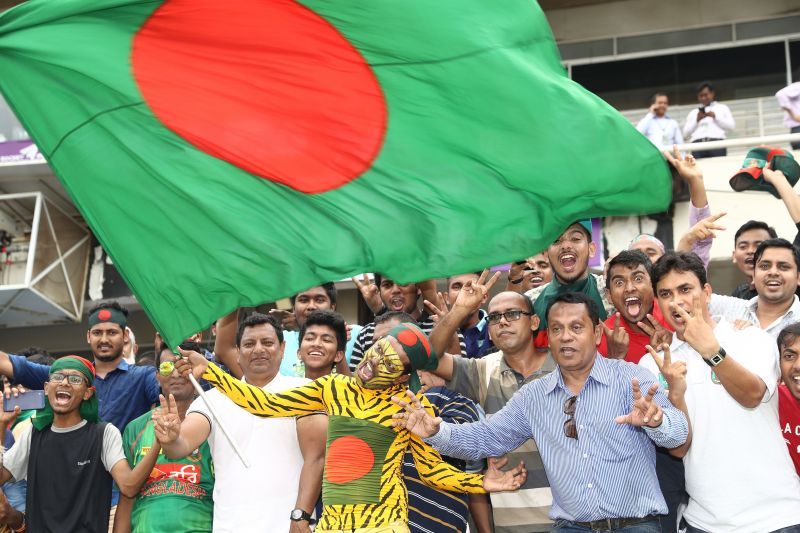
[[32, 399], [701, 109]]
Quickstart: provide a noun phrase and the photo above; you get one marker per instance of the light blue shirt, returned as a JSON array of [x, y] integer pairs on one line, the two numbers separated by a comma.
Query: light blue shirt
[[662, 131], [289, 365], [609, 470]]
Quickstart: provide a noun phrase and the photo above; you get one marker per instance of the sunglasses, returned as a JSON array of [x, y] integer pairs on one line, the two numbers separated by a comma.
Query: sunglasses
[[510, 316], [570, 429]]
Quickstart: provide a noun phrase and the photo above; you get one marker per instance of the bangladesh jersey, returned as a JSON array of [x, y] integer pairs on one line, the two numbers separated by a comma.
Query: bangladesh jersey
[[177, 495]]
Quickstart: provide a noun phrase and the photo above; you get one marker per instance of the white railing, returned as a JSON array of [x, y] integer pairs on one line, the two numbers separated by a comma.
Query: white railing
[[743, 142]]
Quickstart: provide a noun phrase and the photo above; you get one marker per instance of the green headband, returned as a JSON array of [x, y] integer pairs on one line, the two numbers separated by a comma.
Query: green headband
[[88, 409], [418, 349], [108, 314]]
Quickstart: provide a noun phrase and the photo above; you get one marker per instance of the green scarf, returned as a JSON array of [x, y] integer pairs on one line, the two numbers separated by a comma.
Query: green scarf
[[587, 286], [88, 409], [418, 349]]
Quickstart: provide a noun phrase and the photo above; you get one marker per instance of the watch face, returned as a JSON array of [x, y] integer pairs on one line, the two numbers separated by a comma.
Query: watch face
[[297, 514]]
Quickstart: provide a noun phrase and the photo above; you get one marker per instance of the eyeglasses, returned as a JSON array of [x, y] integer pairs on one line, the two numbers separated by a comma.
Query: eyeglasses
[[510, 316], [72, 379], [570, 429]]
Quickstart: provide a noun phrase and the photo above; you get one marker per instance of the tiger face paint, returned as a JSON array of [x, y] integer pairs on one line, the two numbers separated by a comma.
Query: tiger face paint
[[380, 367]]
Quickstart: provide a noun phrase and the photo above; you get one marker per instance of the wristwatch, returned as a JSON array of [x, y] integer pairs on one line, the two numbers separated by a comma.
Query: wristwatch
[[717, 358], [299, 515]]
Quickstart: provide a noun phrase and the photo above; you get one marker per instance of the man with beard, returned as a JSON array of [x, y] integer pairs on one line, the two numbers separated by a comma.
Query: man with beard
[[70, 457], [363, 486], [287, 450], [789, 390], [638, 320], [177, 494]]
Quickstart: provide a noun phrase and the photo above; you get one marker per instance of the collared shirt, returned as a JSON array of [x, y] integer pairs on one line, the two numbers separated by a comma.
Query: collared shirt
[[732, 308], [476, 338], [709, 128], [661, 131], [599, 280], [789, 98], [609, 470], [124, 394]]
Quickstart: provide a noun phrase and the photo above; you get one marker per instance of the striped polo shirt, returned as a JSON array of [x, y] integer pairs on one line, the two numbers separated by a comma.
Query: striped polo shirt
[[491, 382]]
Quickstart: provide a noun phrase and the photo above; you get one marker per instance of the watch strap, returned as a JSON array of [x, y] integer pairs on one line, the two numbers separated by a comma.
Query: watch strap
[[717, 358]]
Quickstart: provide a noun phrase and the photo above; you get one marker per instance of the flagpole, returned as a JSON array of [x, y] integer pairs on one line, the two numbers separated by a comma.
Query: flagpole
[[199, 390]]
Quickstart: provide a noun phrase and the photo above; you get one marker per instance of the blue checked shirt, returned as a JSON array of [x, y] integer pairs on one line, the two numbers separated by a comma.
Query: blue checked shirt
[[609, 471]]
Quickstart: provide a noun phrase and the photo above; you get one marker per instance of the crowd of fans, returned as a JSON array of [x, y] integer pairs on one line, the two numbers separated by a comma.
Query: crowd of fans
[[635, 399]]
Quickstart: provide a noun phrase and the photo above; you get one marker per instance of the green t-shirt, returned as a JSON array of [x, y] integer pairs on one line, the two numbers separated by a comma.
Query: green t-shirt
[[177, 495]]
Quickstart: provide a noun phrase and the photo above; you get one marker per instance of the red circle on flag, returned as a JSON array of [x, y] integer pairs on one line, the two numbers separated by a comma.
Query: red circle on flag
[[348, 458], [104, 314], [407, 337], [270, 87]]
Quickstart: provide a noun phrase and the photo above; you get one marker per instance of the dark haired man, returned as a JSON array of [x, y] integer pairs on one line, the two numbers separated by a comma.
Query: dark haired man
[[660, 129], [745, 241], [709, 122], [731, 375], [286, 449], [474, 329], [789, 390], [323, 336], [593, 424]]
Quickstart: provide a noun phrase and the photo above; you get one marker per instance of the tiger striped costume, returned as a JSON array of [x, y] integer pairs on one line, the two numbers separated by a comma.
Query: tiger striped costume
[[363, 484]]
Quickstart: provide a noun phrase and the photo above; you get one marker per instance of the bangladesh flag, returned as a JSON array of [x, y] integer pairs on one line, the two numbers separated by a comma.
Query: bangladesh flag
[[228, 153]]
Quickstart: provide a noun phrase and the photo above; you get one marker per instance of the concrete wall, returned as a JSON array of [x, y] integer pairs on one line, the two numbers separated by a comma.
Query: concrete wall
[[630, 17]]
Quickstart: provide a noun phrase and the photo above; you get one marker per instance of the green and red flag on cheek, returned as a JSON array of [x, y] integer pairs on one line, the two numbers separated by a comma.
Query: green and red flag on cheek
[[230, 153]]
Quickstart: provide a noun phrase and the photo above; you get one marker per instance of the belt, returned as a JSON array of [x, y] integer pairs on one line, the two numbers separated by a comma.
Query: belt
[[706, 139], [610, 524]]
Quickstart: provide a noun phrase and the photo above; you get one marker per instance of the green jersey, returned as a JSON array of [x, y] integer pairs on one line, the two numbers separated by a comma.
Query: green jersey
[[177, 495]]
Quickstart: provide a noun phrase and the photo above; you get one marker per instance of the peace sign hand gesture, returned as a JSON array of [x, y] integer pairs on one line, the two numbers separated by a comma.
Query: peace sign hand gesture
[[644, 412], [674, 373], [697, 331], [414, 417], [167, 422]]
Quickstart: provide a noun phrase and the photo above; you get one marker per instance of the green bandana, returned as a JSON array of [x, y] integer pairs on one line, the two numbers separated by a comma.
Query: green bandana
[[108, 314], [419, 351], [587, 286], [88, 409]]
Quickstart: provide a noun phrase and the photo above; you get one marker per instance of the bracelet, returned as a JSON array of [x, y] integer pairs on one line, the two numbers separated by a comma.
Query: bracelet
[[516, 281], [22, 527]]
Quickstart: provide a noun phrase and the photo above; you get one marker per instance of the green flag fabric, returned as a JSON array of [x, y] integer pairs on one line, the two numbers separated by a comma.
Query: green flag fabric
[[231, 153]]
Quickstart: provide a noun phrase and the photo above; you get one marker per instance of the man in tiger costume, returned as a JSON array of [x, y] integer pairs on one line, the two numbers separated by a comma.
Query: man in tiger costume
[[363, 489]]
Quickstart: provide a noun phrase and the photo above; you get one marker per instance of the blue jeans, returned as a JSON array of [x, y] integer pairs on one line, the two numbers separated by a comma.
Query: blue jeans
[[567, 526], [790, 529]]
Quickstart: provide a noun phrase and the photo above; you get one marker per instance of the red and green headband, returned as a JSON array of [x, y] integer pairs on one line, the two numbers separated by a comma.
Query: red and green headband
[[417, 348], [108, 314]]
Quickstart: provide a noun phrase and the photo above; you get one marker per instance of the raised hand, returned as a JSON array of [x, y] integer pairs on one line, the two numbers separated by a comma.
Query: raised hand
[[439, 310], [10, 391], [414, 417], [369, 291], [167, 421], [474, 293], [617, 339], [658, 333], [686, 166], [287, 319], [674, 373], [644, 412], [7, 417], [697, 331], [191, 362], [497, 480], [701, 231], [773, 176]]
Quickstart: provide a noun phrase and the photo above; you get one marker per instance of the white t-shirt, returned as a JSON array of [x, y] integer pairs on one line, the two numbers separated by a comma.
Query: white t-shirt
[[259, 498], [16, 459], [739, 475]]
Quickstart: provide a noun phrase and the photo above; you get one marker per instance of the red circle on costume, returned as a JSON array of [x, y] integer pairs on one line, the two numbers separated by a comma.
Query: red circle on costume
[[407, 337], [270, 87], [104, 314], [348, 458]]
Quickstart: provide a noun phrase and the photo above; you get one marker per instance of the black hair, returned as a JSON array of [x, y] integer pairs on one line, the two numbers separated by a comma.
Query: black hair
[[576, 298], [392, 315], [42, 359], [333, 320], [656, 95], [256, 319], [630, 259], [190, 346], [330, 290], [30, 351], [788, 335], [147, 360], [705, 85], [109, 305], [777, 243], [755, 224], [454, 275], [680, 262]]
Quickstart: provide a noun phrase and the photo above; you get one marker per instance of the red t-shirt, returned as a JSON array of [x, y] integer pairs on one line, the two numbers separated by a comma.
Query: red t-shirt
[[638, 341], [789, 411]]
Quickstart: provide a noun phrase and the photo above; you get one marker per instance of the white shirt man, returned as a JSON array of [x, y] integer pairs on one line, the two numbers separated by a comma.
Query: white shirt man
[[709, 127], [660, 129], [789, 100]]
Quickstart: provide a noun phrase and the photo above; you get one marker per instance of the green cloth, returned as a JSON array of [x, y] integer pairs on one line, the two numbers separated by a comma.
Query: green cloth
[[587, 286], [415, 138], [418, 349], [170, 501], [88, 408]]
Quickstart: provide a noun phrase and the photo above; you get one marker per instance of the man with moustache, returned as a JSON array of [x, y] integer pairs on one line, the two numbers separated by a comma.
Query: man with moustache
[[493, 380], [177, 494], [746, 240], [285, 449], [529, 274], [730, 398]]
